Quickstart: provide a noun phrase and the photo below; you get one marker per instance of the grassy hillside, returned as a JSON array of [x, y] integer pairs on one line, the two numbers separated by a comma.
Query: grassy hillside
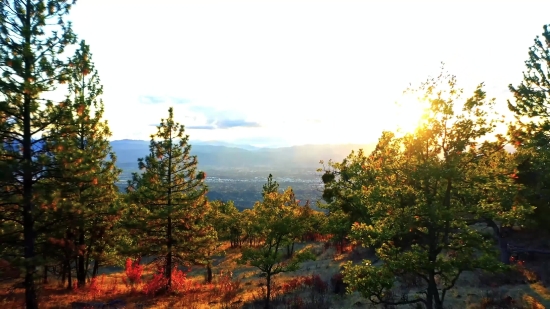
[[314, 285]]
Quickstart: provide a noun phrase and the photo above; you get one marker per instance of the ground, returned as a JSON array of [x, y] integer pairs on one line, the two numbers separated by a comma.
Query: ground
[[309, 287]]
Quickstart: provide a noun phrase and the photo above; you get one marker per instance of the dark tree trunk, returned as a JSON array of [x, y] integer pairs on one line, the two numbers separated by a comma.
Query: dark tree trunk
[[168, 270], [268, 290], [31, 301], [45, 275], [81, 268], [96, 268], [209, 273], [69, 276], [63, 273]]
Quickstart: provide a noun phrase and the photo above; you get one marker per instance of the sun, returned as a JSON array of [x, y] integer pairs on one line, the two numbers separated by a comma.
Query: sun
[[407, 114]]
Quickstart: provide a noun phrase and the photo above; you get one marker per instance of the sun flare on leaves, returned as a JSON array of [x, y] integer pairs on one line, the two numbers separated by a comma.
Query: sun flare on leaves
[[408, 114]]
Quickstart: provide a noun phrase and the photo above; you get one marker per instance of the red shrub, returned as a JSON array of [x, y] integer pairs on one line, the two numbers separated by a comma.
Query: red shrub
[[133, 274]]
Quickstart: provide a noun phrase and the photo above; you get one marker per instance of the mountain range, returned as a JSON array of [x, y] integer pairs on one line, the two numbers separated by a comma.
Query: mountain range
[[226, 155]]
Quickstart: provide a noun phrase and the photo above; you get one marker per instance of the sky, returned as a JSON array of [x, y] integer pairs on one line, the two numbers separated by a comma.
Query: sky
[[280, 73]]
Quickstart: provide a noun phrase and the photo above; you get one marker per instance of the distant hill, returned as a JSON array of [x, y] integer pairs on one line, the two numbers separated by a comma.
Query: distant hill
[[225, 155]]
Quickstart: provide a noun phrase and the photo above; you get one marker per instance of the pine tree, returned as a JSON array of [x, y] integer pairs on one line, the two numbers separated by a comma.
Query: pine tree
[[270, 187], [530, 133], [170, 221], [33, 35], [86, 181]]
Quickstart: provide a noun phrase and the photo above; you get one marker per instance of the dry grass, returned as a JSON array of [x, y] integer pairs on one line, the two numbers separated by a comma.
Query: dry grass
[[473, 291]]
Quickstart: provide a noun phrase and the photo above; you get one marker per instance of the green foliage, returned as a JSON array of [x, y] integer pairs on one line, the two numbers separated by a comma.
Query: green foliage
[[86, 174], [276, 217], [423, 192], [33, 36], [226, 220], [270, 187], [530, 131], [170, 218]]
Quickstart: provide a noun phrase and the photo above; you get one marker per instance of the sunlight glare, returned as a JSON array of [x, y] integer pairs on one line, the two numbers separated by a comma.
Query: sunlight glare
[[409, 112]]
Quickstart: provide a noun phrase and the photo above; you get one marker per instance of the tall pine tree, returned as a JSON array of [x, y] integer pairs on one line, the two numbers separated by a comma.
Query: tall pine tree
[[86, 181], [33, 35], [531, 130], [170, 223]]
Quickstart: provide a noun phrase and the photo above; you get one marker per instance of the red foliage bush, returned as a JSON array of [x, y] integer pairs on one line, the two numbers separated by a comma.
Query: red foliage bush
[[133, 272], [159, 282]]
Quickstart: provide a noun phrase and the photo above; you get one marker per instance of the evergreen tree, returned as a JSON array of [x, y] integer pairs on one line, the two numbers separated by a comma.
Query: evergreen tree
[[530, 132], [86, 181], [33, 35], [170, 194], [270, 187]]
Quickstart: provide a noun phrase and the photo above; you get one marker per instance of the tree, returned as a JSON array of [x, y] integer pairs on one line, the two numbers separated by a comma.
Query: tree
[[274, 215], [270, 187], [226, 219], [530, 132], [86, 181], [30, 47], [431, 187], [171, 197]]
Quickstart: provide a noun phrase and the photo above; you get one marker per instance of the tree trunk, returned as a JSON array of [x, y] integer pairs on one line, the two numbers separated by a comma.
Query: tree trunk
[[63, 273], [45, 275], [504, 253], [209, 273], [81, 269], [96, 268], [268, 290], [87, 266], [31, 301], [69, 276]]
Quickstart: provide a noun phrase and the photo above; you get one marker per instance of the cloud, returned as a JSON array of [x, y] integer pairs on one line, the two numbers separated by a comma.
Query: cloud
[[200, 127], [226, 124], [151, 99], [176, 100], [220, 119], [154, 99]]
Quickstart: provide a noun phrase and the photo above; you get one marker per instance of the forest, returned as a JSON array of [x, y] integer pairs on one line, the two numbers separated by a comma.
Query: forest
[[441, 217]]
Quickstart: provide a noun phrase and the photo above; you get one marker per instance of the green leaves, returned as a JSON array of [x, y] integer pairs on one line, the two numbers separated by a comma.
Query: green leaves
[[415, 197]]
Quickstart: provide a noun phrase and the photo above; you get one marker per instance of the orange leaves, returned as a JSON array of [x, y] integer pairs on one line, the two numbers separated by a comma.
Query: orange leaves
[[80, 109], [94, 181]]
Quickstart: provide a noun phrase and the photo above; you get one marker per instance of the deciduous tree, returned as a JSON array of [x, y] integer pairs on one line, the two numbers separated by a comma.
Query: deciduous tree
[[274, 215], [430, 188]]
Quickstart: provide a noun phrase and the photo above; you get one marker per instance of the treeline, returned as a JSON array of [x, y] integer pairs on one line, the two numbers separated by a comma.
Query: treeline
[[416, 200]]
